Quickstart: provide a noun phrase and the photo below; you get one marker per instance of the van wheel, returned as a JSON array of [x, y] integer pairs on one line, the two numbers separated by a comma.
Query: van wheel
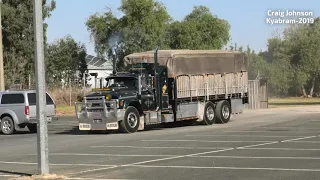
[[32, 128], [209, 114], [131, 121], [7, 125], [223, 111]]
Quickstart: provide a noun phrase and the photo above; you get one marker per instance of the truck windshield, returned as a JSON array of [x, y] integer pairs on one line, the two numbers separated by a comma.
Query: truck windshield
[[123, 82]]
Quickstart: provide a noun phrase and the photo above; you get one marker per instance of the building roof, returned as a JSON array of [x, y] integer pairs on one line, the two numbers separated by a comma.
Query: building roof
[[95, 63]]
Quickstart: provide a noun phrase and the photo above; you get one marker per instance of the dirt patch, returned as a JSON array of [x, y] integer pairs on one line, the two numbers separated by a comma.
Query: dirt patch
[[38, 177]]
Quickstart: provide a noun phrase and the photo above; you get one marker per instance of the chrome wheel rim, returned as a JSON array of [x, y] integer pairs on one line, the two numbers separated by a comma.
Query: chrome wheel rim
[[6, 126], [210, 113], [225, 112], [132, 120]]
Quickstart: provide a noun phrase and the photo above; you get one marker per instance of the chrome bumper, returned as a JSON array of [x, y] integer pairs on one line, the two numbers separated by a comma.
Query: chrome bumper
[[100, 117]]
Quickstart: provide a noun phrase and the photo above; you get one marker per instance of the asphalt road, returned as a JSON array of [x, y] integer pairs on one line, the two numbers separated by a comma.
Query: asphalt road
[[263, 144]]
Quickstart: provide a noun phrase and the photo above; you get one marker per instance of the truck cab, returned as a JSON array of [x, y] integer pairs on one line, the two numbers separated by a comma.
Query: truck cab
[[126, 95]]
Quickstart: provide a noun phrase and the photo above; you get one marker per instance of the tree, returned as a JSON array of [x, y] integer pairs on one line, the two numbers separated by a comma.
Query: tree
[[198, 30], [292, 61], [141, 28], [146, 23], [64, 58], [18, 37]]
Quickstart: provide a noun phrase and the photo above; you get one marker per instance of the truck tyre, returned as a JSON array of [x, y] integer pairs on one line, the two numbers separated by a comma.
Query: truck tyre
[[7, 125], [223, 112], [32, 128], [131, 121], [208, 114]]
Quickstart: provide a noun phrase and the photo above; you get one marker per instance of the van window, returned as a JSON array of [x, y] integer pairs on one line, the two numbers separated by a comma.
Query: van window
[[12, 99], [33, 99]]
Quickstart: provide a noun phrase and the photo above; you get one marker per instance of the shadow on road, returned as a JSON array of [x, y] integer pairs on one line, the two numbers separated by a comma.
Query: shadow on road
[[75, 131], [20, 132], [15, 173]]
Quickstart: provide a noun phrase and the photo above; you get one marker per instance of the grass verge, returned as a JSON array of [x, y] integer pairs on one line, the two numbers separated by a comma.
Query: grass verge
[[64, 110], [293, 101]]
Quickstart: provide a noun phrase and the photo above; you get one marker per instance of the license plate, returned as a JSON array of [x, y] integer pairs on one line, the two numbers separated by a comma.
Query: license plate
[[113, 126], [83, 126]]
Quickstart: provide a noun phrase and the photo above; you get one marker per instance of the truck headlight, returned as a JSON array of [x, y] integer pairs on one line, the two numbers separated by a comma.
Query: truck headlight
[[108, 97]]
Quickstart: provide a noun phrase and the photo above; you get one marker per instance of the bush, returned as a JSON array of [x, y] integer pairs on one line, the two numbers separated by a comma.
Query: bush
[[61, 96]]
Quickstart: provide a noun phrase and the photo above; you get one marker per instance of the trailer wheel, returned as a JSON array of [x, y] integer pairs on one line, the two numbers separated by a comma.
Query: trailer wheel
[[223, 111], [209, 114], [131, 121]]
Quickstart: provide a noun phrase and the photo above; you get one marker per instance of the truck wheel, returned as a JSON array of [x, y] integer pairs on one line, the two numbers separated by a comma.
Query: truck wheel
[[32, 128], [209, 114], [7, 125], [131, 121], [223, 111]]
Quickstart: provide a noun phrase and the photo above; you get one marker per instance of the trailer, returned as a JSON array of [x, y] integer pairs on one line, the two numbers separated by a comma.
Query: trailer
[[164, 86]]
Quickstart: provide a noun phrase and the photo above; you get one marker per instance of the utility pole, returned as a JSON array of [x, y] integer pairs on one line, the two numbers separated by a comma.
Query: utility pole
[[43, 159], [2, 87]]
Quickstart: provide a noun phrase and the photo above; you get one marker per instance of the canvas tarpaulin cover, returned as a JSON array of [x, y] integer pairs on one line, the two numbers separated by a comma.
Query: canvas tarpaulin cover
[[194, 62]]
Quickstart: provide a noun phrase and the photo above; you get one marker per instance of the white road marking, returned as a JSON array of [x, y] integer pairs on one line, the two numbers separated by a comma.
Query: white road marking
[[314, 120], [114, 155], [311, 142], [159, 147], [290, 140], [30, 163], [190, 155], [244, 147], [283, 149], [9, 175], [200, 141], [238, 135], [290, 127], [93, 170], [231, 168], [256, 157], [294, 130]]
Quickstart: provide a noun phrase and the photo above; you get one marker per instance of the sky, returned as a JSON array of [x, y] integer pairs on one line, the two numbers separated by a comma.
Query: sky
[[247, 17]]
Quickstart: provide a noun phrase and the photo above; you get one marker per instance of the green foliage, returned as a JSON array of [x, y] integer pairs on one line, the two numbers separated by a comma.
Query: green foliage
[[199, 30], [292, 63], [18, 43], [64, 58], [141, 28], [146, 24]]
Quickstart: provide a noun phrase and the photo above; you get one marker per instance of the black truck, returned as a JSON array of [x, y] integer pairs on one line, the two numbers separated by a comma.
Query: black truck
[[163, 86]]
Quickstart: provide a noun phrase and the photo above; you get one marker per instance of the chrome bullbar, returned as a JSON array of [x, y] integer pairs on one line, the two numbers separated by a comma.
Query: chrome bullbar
[[95, 113]]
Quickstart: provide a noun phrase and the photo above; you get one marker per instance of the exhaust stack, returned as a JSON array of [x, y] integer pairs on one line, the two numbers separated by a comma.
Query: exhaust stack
[[114, 59], [156, 78]]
